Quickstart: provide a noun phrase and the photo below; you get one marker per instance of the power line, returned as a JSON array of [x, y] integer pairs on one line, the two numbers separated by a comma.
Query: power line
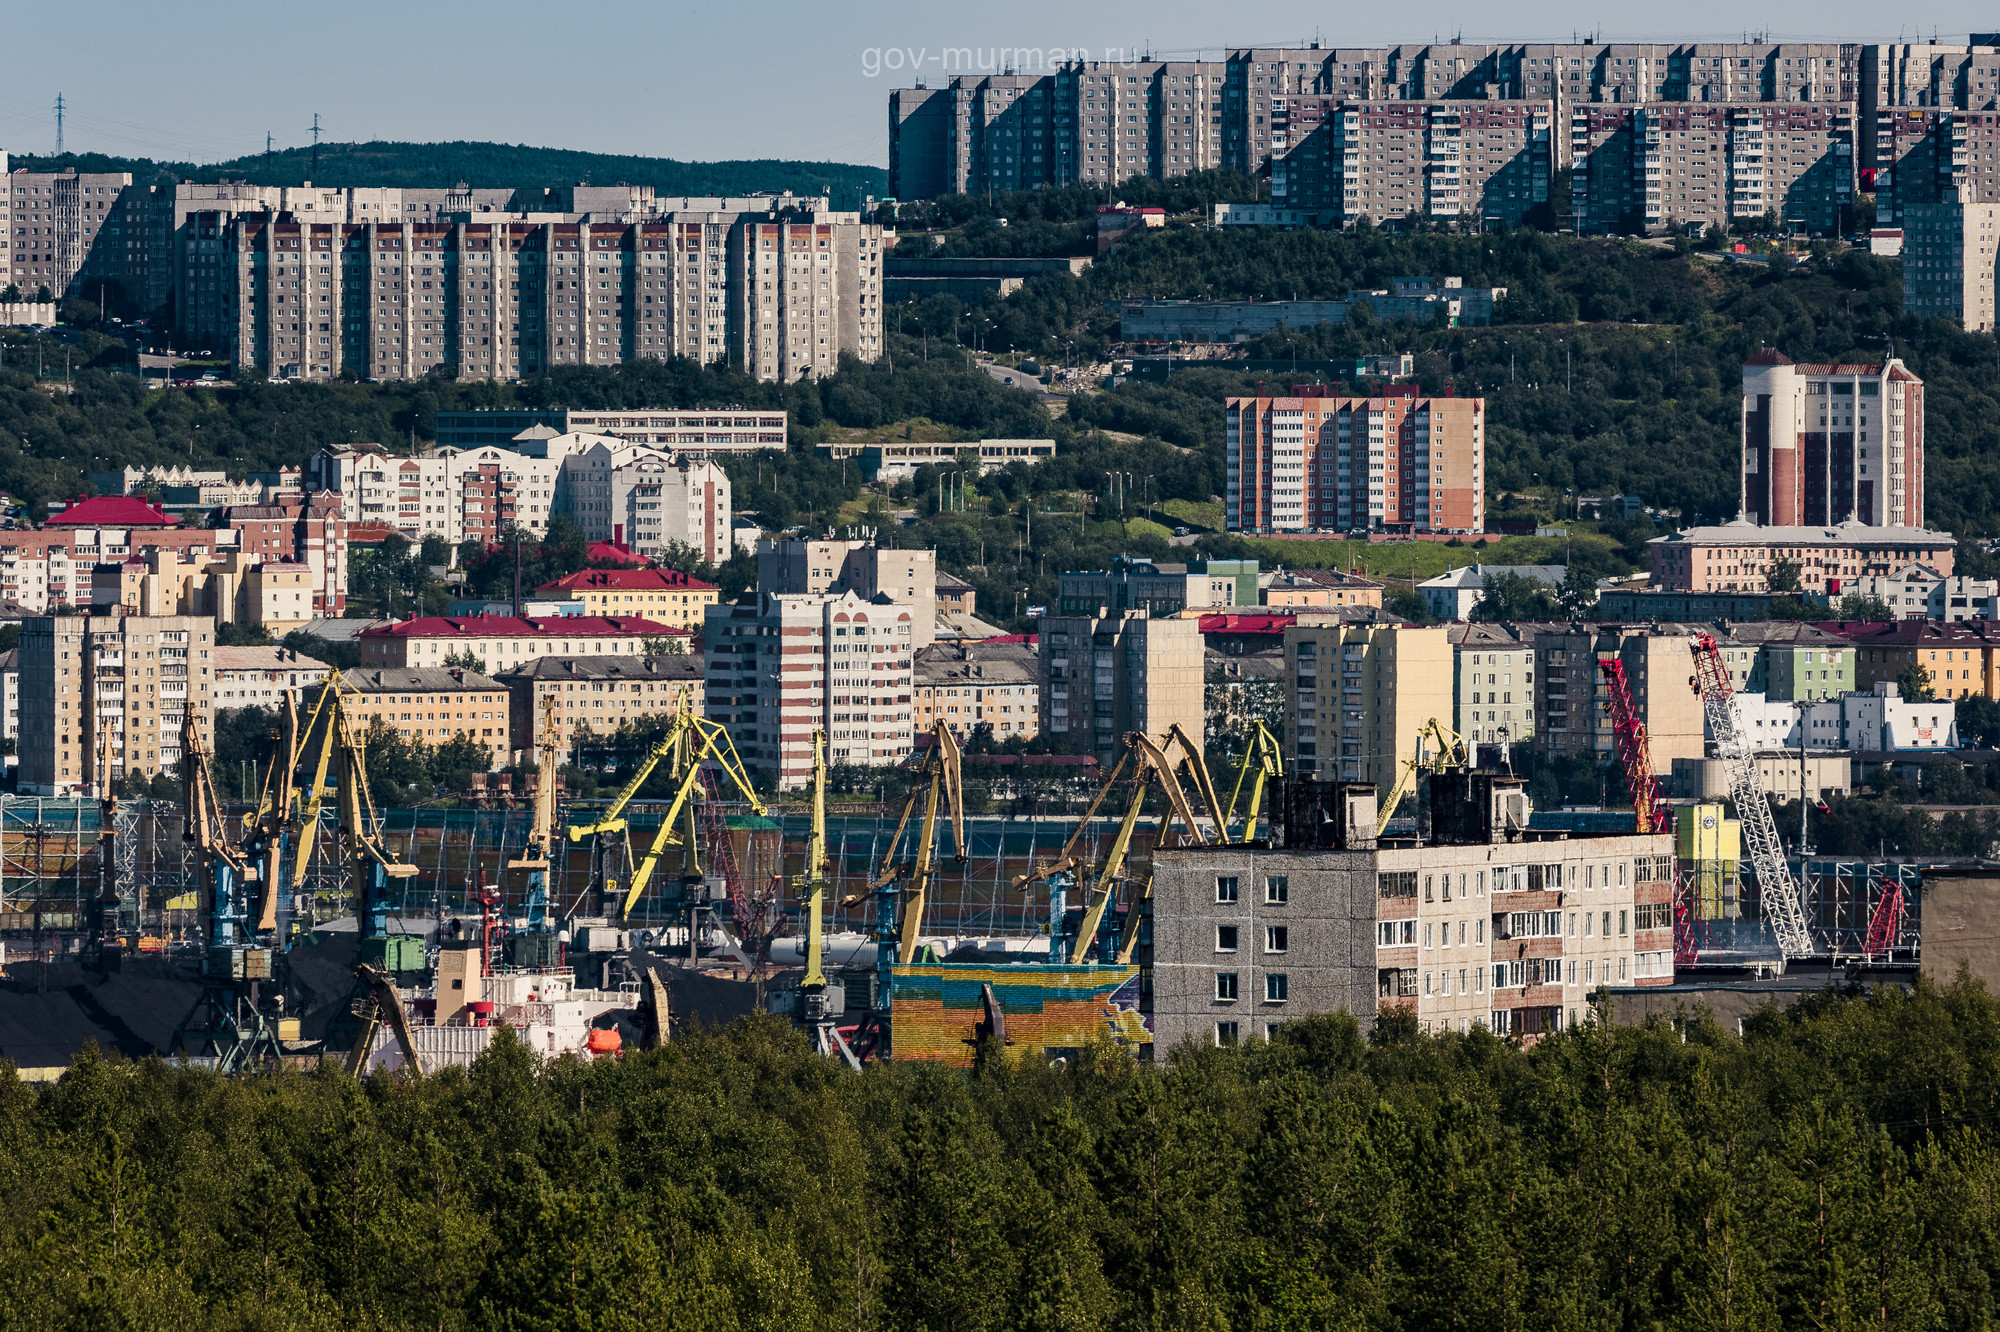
[[59, 124]]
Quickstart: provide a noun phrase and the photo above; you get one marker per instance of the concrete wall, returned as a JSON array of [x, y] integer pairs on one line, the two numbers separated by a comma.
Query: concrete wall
[[1959, 910]]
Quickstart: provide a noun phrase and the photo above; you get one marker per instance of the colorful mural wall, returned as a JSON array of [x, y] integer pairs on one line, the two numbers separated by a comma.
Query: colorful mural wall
[[936, 1009]]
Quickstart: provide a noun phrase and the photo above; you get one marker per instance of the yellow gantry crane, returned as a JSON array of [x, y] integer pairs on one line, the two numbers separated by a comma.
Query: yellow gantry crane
[[1451, 752], [690, 741], [942, 766], [1263, 762]]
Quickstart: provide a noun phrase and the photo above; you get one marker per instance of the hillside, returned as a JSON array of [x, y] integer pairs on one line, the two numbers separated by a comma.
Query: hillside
[[518, 166]]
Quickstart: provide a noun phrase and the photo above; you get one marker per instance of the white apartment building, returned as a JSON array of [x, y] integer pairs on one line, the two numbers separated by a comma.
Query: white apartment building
[[644, 498], [783, 664], [1921, 592], [261, 676], [1877, 720]]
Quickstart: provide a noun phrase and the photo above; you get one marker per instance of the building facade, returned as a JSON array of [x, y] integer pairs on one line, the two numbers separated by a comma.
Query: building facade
[[1357, 695], [969, 685], [1137, 583], [1737, 556], [1493, 682], [120, 684], [594, 696], [1343, 161], [1962, 660], [666, 595], [261, 677], [1102, 676], [1395, 462], [432, 706], [702, 430], [1573, 699], [1808, 455], [503, 641], [1950, 249], [777, 298]]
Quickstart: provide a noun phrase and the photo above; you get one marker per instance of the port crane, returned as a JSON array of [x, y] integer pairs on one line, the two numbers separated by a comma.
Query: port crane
[[536, 856], [1782, 909], [817, 1003], [1452, 752], [690, 743], [1263, 763]]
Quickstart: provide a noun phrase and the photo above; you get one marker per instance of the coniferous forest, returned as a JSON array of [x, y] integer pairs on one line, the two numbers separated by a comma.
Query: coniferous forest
[[1830, 1167]]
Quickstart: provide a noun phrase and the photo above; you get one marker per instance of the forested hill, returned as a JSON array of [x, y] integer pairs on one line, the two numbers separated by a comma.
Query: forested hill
[[516, 166]]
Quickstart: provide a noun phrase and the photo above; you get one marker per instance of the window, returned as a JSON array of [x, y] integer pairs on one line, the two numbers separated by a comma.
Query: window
[[1276, 989], [1277, 938], [1225, 938], [1225, 890], [1277, 888], [1225, 1033], [1621, 924], [1391, 933], [1225, 986], [1400, 883]]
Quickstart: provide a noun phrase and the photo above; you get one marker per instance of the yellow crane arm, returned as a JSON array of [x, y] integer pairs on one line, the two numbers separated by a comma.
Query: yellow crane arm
[[1072, 852], [943, 765], [1100, 898], [714, 745], [385, 1002], [1177, 800], [813, 872], [1130, 942], [612, 820], [1263, 754], [1196, 765]]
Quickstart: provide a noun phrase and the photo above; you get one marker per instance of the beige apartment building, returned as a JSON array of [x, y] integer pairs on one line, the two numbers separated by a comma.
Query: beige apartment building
[[1493, 681], [1125, 671], [597, 695], [129, 680], [1737, 556], [970, 684], [778, 298], [666, 595], [1574, 700], [431, 706], [1357, 695], [1314, 462]]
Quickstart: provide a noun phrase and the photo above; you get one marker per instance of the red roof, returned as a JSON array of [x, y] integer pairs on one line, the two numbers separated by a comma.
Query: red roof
[[632, 580], [1271, 623], [112, 511], [510, 626], [611, 551]]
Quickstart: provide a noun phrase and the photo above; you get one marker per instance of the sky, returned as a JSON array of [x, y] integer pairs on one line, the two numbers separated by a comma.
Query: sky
[[204, 81]]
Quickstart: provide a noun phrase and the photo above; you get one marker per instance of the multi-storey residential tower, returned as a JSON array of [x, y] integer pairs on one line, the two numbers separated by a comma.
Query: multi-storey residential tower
[[119, 685], [1108, 672], [1827, 444]]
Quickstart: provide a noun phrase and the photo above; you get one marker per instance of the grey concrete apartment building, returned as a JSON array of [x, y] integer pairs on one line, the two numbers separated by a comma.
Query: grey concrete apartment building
[[779, 297]]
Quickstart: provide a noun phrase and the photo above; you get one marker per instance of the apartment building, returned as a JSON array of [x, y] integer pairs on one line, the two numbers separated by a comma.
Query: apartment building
[[1950, 249], [52, 223], [1469, 163], [823, 568], [499, 642], [126, 682], [1793, 661], [1737, 556], [1480, 923], [1493, 682], [646, 500], [1808, 458], [683, 431], [780, 299], [1920, 593], [261, 676], [972, 684], [1316, 589], [784, 664], [1356, 696], [432, 706], [1574, 701], [1105, 675], [599, 694], [1315, 462], [1667, 166], [1962, 659], [1138, 583], [666, 595], [1107, 121]]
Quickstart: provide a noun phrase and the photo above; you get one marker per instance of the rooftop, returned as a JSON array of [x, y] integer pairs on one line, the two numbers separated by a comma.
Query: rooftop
[[112, 511], [630, 580], [1473, 576], [1742, 531], [672, 667], [1900, 632], [988, 663], [521, 626], [418, 680], [263, 657]]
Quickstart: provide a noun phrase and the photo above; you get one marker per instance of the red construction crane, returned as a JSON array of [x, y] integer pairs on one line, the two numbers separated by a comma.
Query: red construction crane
[[1629, 732], [1884, 923]]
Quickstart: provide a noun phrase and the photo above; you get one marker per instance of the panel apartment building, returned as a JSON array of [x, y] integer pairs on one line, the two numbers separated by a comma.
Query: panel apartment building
[[1315, 462], [1828, 444], [1108, 672], [1103, 122], [1344, 161], [128, 682], [778, 298]]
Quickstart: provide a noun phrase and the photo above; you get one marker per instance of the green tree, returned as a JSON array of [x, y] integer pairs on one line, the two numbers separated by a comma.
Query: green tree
[[1855, 606], [1783, 576], [1914, 683], [465, 661]]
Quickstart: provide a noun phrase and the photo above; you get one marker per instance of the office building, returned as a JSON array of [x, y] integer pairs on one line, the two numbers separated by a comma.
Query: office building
[[1357, 695], [1827, 444], [432, 706], [666, 595], [1315, 462], [1668, 166], [1105, 675], [1476, 924], [499, 300], [1737, 556], [971, 684], [499, 642], [1950, 249], [118, 685], [681, 431], [599, 694]]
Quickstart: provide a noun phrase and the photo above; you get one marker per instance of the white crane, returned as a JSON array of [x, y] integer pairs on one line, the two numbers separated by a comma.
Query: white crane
[[1782, 910]]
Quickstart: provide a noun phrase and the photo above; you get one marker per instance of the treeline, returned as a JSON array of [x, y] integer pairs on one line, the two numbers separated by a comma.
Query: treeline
[[490, 166], [1832, 1166]]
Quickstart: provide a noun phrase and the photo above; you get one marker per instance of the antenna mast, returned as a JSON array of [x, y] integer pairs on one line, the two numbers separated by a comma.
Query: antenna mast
[[315, 133], [59, 124]]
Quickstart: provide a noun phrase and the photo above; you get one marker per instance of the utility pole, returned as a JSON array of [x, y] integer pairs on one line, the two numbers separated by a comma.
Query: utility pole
[[59, 124]]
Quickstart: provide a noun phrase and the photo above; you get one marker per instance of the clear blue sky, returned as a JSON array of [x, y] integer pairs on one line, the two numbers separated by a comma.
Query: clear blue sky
[[203, 81]]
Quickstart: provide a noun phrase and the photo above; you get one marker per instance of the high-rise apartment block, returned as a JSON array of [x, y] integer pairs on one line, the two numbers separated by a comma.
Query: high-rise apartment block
[[117, 684], [1826, 444], [58, 227], [1357, 696], [1104, 121], [1108, 672], [1314, 462], [1573, 698], [828, 640], [1473, 162], [778, 298], [1950, 252]]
